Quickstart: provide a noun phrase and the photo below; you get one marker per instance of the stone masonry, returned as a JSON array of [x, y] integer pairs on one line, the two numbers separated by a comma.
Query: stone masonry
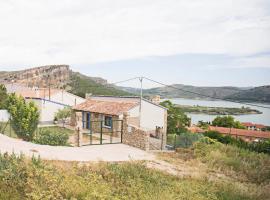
[[134, 136]]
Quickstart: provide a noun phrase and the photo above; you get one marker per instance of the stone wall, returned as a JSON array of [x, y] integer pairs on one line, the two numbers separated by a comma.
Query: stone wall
[[134, 136]]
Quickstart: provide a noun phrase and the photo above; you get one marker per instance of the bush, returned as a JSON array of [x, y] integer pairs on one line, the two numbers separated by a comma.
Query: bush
[[51, 137], [260, 147], [183, 140], [24, 116]]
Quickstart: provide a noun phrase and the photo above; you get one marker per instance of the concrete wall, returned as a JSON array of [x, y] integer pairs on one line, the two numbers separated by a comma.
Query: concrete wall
[[4, 116]]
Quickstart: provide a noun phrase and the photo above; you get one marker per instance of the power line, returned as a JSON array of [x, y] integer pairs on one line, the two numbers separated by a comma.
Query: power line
[[239, 102], [123, 81], [110, 85]]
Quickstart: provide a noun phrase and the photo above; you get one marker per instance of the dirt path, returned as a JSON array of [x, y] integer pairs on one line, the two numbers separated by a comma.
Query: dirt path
[[186, 169], [108, 152]]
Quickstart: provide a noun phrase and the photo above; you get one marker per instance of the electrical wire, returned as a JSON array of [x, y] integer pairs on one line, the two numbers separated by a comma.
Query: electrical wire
[[186, 91]]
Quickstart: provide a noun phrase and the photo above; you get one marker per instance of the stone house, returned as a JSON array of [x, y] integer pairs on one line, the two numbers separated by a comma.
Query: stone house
[[143, 118]]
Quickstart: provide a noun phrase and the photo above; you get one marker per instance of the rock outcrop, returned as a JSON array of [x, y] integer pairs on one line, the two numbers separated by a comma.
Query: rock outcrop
[[56, 76]]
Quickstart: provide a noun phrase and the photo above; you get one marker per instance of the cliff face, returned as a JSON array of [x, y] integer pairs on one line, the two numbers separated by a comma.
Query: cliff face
[[56, 76]]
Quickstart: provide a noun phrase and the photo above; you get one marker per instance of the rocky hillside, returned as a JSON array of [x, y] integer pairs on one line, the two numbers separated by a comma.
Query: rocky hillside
[[61, 76], [55, 75]]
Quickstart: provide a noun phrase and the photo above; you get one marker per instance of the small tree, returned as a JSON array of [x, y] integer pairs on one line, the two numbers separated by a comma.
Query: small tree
[[3, 96], [63, 114], [227, 121], [177, 119], [24, 116]]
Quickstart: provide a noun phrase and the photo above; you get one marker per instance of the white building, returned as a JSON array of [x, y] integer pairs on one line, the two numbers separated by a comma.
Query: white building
[[48, 101], [144, 114]]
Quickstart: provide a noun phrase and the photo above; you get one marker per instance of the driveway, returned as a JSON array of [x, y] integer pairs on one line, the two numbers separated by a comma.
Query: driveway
[[107, 152]]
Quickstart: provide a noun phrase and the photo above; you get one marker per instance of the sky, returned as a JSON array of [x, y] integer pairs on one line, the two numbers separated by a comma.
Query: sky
[[195, 42]]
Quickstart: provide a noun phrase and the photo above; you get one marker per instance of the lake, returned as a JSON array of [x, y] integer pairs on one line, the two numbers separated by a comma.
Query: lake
[[263, 118]]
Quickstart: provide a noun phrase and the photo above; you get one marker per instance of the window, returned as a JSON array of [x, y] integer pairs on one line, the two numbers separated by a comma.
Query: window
[[108, 121]]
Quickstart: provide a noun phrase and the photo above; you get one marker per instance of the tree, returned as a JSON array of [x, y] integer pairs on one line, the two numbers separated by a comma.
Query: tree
[[3, 96], [24, 116], [63, 114], [177, 119], [203, 125], [227, 121]]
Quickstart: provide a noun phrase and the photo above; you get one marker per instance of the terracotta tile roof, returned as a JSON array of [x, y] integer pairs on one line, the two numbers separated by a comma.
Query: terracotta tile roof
[[247, 124], [195, 129], [241, 132], [105, 107]]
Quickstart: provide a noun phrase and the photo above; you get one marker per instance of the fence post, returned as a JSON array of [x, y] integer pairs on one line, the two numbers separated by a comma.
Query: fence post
[[174, 141], [9, 128], [101, 131], [162, 135], [79, 136]]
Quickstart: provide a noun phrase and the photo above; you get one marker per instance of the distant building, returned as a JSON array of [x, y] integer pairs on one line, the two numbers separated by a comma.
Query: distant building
[[247, 135], [254, 127], [48, 101]]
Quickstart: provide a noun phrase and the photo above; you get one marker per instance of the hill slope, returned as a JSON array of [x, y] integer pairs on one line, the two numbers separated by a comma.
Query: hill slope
[[168, 92], [60, 76], [260, 94], [80, 84]]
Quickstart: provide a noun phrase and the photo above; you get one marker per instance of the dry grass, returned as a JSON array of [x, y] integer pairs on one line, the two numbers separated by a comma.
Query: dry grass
[[247, 171]]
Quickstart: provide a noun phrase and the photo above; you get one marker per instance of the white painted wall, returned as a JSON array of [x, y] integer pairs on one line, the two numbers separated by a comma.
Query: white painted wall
[[48, 110], [151, 115], [67, 98], [4, 116], [58, 101]]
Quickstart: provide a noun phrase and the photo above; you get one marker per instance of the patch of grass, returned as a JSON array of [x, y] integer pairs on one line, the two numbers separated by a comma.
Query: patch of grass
[[56, 129], [35, 179]]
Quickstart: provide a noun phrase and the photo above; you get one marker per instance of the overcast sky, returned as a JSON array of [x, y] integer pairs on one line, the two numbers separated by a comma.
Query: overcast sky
[[199, 42]]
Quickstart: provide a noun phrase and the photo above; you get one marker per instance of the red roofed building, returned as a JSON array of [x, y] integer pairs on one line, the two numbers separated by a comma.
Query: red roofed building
[[107, 108], [247, 135], [255, 127]]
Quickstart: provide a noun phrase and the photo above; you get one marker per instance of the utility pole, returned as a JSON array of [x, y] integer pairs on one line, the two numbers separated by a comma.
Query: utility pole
[[140, 109], [49, 80]]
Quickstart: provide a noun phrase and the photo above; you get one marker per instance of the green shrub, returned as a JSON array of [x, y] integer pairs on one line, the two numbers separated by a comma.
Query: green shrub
[[254, 167], [24, 116], [183, 140], [260, 147], [51, 137]]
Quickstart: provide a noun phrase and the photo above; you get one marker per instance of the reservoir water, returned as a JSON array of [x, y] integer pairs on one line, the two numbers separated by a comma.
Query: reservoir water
[[263, 118]]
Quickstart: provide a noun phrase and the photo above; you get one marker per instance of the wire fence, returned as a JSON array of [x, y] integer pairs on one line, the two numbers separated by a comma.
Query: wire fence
[[183, 140], [6, 129]]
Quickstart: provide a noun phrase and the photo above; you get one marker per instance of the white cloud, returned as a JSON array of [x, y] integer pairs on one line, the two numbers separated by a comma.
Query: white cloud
[[37, 32]]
